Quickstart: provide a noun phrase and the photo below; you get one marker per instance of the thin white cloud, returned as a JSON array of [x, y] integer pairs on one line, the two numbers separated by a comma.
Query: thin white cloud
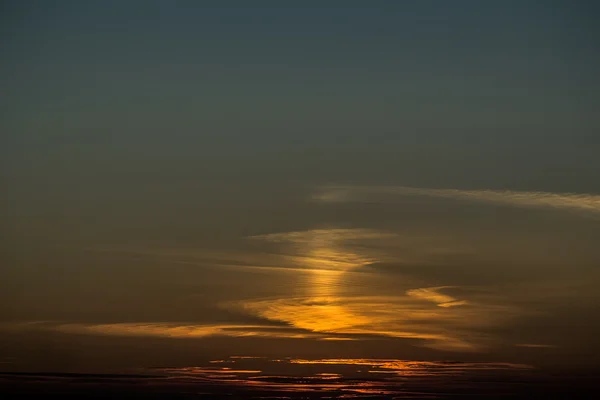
[[587, 203]]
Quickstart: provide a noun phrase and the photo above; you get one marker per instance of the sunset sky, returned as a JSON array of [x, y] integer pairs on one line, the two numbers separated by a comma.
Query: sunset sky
[[186, 181]]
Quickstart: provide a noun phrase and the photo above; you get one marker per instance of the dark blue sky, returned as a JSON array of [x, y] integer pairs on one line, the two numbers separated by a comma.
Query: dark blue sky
[[497, 94]]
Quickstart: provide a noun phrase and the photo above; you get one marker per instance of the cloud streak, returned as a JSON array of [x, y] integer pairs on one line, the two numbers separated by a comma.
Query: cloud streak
[[168, 329], [536, 346], [589, 204], [332, 249], [434, 295]]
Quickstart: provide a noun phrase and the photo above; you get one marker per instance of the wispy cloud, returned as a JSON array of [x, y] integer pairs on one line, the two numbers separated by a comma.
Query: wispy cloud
[[168, 329], [328, 248], [414, 368], [536, 345], [324, 236], [327, 300], [434, 295], [586, 203], [441, 326], [322, 309], [427, 315]]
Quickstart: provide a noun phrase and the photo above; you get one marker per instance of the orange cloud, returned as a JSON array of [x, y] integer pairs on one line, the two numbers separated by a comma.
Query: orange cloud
[[168, 330], [323, 307], [414, 367], [433, 294]]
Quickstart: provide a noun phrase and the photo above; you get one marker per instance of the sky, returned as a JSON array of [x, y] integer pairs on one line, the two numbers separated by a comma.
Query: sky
[[189, 181]]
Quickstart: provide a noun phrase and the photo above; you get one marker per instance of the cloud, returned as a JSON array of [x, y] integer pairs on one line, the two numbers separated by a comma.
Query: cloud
[[429, 316], [433, 294], [589, 204], [415, 368], [339, 292], [168, 329], [324, 236], [336, 249], [536, 346], [440, 325]]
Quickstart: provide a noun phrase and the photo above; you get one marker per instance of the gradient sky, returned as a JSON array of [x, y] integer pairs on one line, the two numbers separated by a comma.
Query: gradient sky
[[186, 180]]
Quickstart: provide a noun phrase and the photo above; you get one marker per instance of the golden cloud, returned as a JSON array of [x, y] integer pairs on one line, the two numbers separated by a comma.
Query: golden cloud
[[434, 295]]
